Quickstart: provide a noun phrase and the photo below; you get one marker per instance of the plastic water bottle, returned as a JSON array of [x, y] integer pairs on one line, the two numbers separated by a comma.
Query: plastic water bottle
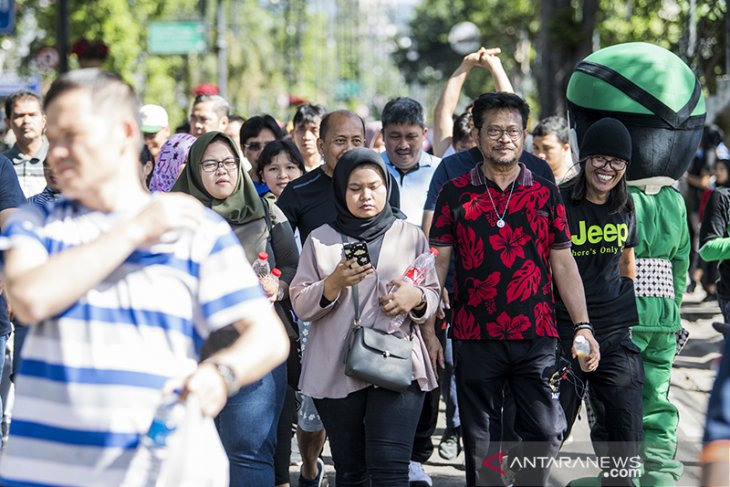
[[261, 265], [270, 284], [167, 418], [151, 453], [582, 351], [279, 290], [415, 275]]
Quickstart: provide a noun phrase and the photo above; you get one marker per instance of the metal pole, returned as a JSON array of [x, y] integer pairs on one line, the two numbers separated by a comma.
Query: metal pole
[[222, 52], [692, 28], [727, 39], [62, 35]]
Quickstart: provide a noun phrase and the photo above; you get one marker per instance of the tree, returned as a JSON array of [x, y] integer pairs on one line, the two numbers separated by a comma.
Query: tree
[[558, 36], [275, 49], [564, 38], [425, 56]]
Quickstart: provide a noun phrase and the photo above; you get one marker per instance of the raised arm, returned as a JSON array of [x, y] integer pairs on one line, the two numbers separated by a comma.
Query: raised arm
[[443, 122]]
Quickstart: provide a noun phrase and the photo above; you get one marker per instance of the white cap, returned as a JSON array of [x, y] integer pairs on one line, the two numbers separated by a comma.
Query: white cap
[[154, 118]]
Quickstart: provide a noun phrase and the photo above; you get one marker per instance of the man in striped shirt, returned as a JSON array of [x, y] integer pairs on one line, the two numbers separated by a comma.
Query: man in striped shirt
[[123, 289]]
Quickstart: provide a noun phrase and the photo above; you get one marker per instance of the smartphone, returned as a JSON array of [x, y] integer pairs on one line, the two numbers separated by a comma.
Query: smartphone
[[358, 251]]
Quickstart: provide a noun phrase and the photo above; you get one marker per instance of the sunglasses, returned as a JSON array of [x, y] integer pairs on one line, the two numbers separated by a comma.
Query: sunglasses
[[255, 146]]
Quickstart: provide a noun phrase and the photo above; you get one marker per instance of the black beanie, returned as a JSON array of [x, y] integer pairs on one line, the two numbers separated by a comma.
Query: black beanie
[[606, 137]]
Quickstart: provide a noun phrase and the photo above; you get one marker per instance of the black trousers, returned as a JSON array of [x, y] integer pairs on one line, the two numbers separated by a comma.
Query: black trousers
[[371, 435], [282, 455], [422, 443], [527, 366], [615, 393]]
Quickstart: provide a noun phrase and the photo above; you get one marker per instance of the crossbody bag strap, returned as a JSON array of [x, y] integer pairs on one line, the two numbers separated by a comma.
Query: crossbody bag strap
[[355, 295], [356, 304]]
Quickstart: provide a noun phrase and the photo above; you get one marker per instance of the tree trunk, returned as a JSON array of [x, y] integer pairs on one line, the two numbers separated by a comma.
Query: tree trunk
[[563, 40]]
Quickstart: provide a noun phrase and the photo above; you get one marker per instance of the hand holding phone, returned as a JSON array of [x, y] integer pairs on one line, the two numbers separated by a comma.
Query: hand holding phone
[[346, 274], [357, 251]]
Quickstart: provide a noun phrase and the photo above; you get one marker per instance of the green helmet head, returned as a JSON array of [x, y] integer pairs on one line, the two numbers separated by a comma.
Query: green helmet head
[[653, 93]]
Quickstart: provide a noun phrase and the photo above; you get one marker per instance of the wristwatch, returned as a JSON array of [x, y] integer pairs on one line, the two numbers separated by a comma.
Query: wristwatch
[[229, 377]]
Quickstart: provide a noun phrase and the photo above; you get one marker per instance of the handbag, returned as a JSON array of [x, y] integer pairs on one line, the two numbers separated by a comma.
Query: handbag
[[377, 357]]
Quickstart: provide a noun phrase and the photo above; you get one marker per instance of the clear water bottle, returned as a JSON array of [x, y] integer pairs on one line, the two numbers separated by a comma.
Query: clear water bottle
[[582, 351], [151, 453], [261, 265], [415, 274], [270, 284], [167, 418], [279, 290]]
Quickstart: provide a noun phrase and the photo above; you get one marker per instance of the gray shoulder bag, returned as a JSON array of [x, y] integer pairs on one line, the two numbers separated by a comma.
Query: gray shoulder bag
[[376, 357]]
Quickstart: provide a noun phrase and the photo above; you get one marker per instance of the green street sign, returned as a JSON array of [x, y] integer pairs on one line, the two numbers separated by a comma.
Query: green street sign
[[176, 37]]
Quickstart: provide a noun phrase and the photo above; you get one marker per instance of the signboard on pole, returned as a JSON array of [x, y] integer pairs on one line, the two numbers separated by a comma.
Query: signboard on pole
[[11, 82], [176, 37], [7, 16]]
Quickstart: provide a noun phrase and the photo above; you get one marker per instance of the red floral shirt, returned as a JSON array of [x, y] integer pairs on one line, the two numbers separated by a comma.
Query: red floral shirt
[[503, 282]]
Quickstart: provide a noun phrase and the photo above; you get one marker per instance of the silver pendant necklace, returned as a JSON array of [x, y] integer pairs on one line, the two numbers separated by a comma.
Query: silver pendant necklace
[[500, 219]]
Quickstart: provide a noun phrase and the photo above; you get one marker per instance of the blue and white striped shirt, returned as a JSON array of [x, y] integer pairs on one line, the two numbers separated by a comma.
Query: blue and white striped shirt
[[91, 376]]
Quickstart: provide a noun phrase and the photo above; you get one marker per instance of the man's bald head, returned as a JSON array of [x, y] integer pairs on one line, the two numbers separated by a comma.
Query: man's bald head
[[339, 132]]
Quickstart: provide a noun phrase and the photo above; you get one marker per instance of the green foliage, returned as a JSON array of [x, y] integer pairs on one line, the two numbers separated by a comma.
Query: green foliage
[[511, 25], [260, 51], [283, 47]]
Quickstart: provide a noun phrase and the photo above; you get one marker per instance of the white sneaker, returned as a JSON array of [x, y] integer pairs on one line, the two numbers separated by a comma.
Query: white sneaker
[[417, 476]]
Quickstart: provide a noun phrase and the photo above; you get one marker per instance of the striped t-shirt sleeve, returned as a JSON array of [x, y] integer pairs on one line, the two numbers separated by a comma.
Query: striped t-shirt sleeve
[[25, 223], [229, 290], [24, 228]]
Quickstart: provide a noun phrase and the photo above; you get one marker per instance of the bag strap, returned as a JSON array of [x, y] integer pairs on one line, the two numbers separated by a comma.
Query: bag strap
[[356, 304], [355, 296], [267, 214]]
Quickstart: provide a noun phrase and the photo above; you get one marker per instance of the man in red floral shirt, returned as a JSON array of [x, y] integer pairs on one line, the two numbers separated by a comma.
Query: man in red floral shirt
[[509, 235]]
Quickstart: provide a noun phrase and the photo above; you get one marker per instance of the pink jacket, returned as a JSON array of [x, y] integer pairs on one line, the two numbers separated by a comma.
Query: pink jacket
[[323, 369]]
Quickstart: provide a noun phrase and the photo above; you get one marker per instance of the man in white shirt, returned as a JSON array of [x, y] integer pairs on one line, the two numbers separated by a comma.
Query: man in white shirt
[[27, 121]]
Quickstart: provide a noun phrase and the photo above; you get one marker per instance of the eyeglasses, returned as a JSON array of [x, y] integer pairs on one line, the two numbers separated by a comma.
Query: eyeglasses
[[616, 164], [496, 133], [255, 146], [211, 165]]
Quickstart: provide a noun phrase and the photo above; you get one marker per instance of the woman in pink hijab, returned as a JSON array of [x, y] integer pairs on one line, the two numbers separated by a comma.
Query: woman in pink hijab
[[170, 162]]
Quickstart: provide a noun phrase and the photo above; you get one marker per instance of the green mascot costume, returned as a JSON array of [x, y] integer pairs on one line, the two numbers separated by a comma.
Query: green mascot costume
[[658, 98]]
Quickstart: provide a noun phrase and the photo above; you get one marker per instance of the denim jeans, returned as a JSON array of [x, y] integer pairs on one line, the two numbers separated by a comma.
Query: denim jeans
[[724, 309], [3, 344], [448, 388], [247, 427], [371, 435], [717, 426], [21, 332]]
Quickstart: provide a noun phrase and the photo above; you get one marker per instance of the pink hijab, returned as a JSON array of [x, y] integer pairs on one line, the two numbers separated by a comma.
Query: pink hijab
[[173, 154], [372, 129]]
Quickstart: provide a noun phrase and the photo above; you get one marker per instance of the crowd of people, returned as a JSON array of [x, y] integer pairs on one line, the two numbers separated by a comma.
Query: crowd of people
[[126, 267]]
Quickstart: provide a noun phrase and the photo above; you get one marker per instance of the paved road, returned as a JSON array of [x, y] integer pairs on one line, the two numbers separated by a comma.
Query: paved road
[[692, 377]]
